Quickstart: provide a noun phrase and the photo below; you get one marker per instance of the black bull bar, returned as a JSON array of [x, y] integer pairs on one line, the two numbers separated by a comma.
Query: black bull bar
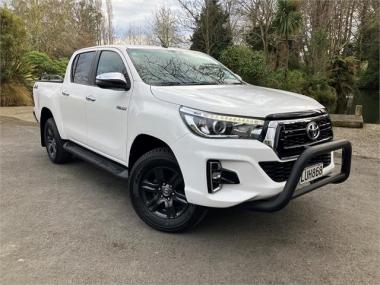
[[281, 200]]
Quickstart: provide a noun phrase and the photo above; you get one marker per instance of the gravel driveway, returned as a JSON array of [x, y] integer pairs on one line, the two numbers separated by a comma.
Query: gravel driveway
[[74, 224]]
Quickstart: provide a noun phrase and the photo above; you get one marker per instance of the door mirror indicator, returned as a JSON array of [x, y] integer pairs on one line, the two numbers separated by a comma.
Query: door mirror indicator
[[113, 80]]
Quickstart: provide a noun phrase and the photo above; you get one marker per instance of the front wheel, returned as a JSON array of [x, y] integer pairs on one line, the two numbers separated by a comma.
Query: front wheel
[[157, 192]]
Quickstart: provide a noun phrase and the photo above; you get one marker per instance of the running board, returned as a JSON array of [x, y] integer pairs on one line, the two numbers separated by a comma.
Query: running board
[[96, 159]]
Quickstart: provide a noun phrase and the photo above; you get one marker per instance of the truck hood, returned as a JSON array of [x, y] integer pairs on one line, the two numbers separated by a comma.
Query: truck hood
[[244, 100]]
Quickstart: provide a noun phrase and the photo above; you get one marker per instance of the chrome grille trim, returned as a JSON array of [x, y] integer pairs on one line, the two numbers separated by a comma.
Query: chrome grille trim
[[290, 143]]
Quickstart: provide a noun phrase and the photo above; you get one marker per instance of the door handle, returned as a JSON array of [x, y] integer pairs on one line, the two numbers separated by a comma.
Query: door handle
[[65, 94], [90, 98], [122, 108]]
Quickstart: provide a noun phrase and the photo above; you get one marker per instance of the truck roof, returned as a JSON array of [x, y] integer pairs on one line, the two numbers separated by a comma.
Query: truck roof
[[128, 46]]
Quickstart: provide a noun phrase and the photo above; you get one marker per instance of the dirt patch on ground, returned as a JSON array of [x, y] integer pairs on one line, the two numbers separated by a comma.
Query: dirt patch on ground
[[24, 113], [365, 141]]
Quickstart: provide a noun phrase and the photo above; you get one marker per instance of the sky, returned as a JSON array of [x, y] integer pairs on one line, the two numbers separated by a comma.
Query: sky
[[136, 12]]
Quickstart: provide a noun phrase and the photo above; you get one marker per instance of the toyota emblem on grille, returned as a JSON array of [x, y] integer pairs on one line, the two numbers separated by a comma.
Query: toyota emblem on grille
[[312, 130]]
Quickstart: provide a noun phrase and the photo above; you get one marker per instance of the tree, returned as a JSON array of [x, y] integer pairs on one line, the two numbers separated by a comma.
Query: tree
[[165, 27], [13, 46], [14, 72], [137, 35], [50, 24], [342, 78], [260, 14], [109, 28], [248, 64], [211, 34], [87, 21], [287, 22], [368, 47]]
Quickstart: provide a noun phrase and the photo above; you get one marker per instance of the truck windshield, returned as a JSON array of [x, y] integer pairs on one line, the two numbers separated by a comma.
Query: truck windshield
[[163, 67]]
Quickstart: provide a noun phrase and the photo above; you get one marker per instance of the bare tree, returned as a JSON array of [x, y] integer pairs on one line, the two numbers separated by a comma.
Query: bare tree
[[193, 8], [110, 30], [236, 19], [191, 11], [260, 14], [165, 27], [209, 20], [137, 35], [328, 30], [50, 24], [100, 29]]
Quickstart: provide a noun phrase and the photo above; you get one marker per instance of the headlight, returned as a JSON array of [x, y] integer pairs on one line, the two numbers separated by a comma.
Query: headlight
[[211, 125]]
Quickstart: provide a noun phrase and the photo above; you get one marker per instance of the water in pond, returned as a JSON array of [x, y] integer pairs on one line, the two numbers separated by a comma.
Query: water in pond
[[370, 101]]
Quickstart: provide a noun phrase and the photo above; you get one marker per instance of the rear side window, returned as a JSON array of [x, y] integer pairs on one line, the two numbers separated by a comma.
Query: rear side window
[[82, 67], [110, 61]]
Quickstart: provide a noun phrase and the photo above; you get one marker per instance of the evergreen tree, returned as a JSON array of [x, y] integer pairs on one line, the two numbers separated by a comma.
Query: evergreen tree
[[369, 49], [212, 33], [287, 22], [12, 46]]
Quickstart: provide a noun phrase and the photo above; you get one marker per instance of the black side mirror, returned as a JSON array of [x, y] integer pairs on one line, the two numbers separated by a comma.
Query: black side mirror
[[113, 80]]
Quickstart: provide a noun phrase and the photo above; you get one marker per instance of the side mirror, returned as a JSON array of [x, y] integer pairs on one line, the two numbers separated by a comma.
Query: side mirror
[[113, 80]]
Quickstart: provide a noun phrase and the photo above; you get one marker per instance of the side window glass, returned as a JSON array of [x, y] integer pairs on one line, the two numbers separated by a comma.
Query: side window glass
[[73, 67], [83, 66], [110, 61]]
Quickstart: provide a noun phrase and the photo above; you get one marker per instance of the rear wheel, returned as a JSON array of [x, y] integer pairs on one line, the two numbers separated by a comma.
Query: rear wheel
[[157, 192], [54, 143]]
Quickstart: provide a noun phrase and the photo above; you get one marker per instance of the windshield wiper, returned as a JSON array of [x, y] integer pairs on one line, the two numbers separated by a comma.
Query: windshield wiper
[[168, 84], [201, 83], [186, 83]]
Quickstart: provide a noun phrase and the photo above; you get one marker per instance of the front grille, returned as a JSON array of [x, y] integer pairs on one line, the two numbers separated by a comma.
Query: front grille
[[280, 171], [293, 139]]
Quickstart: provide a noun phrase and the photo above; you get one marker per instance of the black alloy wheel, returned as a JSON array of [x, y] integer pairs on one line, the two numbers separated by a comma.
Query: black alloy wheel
[[54, 143], [157, 191], [162, 190], [51, 142]]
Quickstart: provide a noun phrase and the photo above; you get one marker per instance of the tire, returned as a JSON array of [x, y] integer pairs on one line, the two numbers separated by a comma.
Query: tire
[[54, 143], [157, 193]]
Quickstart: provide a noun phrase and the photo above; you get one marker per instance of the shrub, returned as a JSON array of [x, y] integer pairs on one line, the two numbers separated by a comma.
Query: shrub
[[40, 63], [248, 64], [315, 86], [59, 66], [318, 88], [296, 80]]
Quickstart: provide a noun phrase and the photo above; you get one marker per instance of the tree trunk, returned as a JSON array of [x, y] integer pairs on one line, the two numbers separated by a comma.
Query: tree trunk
[[286, 57]]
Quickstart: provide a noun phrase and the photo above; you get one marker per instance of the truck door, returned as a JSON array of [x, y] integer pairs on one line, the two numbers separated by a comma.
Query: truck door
[[73, 97], [106, 110]]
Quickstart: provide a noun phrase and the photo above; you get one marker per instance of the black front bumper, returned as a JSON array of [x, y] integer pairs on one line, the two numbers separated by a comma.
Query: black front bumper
[[281, 200]]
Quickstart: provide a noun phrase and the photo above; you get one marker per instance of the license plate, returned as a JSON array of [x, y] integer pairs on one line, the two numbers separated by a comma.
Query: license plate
[[311, 173]]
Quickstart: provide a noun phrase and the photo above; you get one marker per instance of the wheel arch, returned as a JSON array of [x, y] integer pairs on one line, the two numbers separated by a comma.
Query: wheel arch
[[45, 115], [142, 144]]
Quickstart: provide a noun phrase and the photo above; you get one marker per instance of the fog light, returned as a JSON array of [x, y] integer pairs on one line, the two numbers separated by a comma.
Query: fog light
[[214, 172], [217, 176]]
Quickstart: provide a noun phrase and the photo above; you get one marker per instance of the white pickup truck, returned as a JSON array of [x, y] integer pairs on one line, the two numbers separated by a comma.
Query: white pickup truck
[[186, 132]]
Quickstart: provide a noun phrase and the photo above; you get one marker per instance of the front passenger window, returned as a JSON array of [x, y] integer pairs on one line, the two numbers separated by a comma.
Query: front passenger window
[[110, 61]]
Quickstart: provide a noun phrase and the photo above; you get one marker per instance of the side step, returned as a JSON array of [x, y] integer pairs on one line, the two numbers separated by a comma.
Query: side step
[[96, 159]]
